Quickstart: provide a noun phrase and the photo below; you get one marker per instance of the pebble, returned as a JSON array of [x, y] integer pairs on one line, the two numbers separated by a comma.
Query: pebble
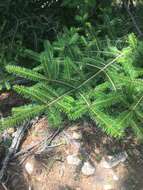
[[113, 161], [76, 136], [87, 169], [73, 160], [11, 130], [106, 165], [115, 177], [29, 167]]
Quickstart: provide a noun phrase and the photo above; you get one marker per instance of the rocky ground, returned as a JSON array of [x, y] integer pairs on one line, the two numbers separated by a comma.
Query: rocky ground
[[79, 157]]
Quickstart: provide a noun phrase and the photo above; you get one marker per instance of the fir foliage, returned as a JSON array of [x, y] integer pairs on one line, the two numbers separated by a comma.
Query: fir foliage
[[100, 80]]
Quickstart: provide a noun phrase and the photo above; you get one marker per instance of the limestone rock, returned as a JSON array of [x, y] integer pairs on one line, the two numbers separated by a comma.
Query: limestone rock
[[88, 169], [29, 167], [115, 177], [73, 159], [114, 160], [10, 130]]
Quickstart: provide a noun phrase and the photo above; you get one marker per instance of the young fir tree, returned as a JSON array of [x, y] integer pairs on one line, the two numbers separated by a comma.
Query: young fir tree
[[81, 77]]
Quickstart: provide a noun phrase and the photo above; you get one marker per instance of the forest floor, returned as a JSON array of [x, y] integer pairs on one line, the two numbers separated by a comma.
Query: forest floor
[[79, 157]]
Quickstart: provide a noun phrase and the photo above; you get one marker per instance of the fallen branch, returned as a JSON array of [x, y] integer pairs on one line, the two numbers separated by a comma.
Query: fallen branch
[[4, 186], [14, 147], [44, 144]]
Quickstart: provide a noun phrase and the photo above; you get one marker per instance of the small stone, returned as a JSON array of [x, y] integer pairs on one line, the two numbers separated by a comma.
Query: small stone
[[10, 131], [13, 134], [108, 187], [115, 177], [73, 160], [113, 161], [77, 136], [29, 167], [88, 169], [105, 164]]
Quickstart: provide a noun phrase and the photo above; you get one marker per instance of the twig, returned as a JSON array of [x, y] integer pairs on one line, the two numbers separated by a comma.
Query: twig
[[27, 150], [13, 148], [54, 135], [56, 145], [4, 186], [134, 21], [38, 144]]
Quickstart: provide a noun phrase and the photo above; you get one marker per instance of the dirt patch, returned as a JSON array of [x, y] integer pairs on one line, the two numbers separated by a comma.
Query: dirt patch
[[47, 166]]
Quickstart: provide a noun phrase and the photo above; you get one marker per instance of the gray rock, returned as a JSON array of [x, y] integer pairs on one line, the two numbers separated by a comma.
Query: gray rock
[[73, 160], [113, 161], [87, 169]]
